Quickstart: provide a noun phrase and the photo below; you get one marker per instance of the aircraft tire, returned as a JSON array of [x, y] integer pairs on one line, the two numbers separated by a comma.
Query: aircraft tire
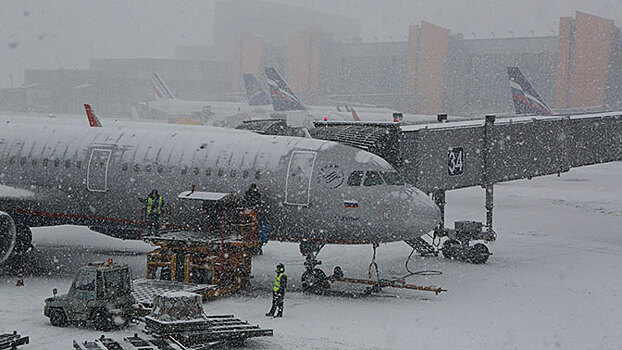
[[313, 281]]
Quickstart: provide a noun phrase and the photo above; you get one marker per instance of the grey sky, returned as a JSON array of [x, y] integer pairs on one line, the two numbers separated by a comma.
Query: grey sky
[[66, 33]]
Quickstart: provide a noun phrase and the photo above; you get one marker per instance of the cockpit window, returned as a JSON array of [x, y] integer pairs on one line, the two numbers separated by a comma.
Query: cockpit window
[[372, 178], [355, 179], [392, 178]]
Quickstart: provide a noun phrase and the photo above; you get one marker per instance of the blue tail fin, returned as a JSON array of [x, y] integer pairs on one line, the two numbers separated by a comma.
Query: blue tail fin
[[283, 98], [257, 96], [526, 99]]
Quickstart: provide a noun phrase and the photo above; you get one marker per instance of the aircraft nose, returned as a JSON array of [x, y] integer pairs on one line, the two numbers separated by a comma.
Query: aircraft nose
[[424, 213]]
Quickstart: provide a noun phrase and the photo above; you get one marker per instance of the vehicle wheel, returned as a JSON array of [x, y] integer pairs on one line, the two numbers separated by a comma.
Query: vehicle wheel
[[479, 253], [450, 248], [58, 318], [102, 320], [314, 281]]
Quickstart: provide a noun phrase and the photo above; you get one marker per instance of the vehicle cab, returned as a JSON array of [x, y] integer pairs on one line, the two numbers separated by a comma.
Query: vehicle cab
[[101, 294]]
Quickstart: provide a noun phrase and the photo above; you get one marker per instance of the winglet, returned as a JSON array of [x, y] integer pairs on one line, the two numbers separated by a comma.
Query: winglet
[[93, 120], [354, 115]]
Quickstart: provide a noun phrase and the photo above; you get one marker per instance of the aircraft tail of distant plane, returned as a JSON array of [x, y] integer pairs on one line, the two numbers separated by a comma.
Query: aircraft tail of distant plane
[[526, 99], [93, 120], [283, 98], [160, 89], [257, 96]]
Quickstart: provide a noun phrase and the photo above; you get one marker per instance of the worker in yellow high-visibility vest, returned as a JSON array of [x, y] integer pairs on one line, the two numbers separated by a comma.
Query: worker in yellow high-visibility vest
[[155, 203], [278, 291]]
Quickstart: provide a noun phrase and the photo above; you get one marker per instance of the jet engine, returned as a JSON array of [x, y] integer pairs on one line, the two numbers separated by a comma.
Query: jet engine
[[8, 236]]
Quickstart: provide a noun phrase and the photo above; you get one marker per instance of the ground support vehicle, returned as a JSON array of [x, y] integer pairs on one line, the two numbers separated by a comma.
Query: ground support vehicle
[[100, 295], [216, 254]]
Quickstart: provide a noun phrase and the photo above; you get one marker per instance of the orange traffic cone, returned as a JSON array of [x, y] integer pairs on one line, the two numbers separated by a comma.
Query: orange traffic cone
[[20, 277]]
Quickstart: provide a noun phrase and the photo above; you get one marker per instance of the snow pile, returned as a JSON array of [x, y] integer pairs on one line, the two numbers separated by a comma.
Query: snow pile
[[177, 306]]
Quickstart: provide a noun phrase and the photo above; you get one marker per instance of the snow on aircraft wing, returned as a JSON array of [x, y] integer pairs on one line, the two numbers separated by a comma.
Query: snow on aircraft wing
[[8, 192]]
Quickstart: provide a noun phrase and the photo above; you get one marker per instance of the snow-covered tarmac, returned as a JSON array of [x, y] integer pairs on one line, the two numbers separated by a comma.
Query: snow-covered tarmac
[[554, 281]]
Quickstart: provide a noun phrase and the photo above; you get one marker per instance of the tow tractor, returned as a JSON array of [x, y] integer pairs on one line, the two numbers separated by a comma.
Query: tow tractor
[[100, 295]]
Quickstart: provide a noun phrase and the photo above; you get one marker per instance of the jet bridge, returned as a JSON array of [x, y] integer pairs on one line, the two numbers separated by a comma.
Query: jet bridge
[[445, 156]]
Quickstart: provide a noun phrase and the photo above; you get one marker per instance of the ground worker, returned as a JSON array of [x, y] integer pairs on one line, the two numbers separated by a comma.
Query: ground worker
[[155, 203], [278, 291], [252, 197]]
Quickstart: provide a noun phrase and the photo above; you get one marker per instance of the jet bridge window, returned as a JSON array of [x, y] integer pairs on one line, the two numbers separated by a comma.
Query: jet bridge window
[[372, 178], [355, 179], [392, 178]]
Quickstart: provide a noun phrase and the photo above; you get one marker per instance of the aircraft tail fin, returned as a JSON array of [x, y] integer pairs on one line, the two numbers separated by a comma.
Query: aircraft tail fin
[[257, 96], [283, 98], [526, 99], [354, 115], [93, 120], [160, 88]]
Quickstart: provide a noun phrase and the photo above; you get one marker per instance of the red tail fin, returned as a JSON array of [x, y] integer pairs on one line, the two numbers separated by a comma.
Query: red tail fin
[[354, 115], [93, 121], [338, 109]]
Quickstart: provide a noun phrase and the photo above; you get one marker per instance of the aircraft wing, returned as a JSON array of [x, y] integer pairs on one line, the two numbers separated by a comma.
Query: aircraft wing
[[12, 193]]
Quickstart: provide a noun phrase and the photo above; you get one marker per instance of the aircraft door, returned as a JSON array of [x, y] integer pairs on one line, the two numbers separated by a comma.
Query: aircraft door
[[97, 171], [298, 184]]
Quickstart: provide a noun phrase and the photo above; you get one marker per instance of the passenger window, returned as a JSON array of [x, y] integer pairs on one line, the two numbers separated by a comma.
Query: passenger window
[[392, 178], [355, 179], [372, 178]]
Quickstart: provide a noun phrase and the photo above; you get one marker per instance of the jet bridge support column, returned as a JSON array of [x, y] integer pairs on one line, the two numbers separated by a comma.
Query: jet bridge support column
[[489, 235]]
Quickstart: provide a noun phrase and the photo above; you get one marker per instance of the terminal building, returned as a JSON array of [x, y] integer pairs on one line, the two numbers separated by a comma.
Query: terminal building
[[325, 61]]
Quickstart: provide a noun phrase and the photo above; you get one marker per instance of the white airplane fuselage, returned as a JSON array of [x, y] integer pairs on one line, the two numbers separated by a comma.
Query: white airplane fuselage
[[95, 176]]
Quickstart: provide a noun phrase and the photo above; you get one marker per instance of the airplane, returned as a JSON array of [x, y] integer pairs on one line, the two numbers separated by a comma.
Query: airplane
[[314, 191], [284, 100], [211, 112]]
